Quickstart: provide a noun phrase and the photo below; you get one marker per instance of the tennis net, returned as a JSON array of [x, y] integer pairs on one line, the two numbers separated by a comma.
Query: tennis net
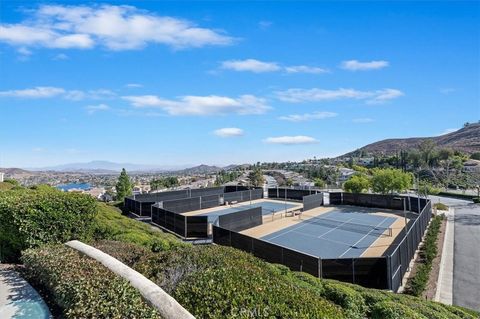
[[351, 226]]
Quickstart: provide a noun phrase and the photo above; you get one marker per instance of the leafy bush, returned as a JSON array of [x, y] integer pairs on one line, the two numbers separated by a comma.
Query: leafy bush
[[440, 206], [30, 218], [81, 287], [350, 300], [222, 282], [110, 224], [392, 310], [416, 285]]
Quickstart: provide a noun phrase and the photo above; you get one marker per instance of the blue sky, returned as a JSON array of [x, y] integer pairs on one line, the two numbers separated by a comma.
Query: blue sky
[[177, 83]]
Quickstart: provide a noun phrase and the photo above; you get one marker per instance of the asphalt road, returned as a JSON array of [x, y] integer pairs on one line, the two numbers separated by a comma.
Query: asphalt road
[[466, 264], [466, 252]]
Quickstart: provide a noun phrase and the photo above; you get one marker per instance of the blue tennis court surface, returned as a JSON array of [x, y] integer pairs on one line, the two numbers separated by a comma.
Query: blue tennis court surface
[[336, 234], [267, 208]]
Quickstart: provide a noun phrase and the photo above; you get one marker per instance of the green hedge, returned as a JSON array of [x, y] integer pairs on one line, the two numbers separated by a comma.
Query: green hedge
[[417, 284], [110, 224], [222, 282], [30, 218], [81, 287]]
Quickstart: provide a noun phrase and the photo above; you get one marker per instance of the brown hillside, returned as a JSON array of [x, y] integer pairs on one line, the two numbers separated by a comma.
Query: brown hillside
[[466, 139]]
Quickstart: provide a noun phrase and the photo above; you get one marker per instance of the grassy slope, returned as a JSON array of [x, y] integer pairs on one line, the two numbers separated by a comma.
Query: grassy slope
[[217, 282]]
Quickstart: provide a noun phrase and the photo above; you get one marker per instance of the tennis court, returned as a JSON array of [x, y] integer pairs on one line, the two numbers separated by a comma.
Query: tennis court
[[335, 234], [268, 207]]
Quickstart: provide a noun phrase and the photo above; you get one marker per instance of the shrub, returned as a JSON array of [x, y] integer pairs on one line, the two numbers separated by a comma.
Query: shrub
[[440, 206], [30, 218], [81, 287], [392, 310], [110, 224], [476, 200], [350, 300], [221, 282], [416, 285]]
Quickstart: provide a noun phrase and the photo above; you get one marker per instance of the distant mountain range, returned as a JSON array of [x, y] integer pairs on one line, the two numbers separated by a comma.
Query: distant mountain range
[[106, 167], [466, 139]]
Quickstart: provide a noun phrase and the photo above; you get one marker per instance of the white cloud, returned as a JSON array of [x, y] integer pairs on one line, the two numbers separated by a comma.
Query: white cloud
[[257, 66], [133, 85], [385, 95], [60, 56], [250, 65], [363, 120], [36, 92], [318, 95], [449, 130], [264, 25], [202, 105], [308, 116], [50, 91], [228, 132], [305, 69], [447, 90], [291, 140], [91, 109], [355, 65], [114, 27]]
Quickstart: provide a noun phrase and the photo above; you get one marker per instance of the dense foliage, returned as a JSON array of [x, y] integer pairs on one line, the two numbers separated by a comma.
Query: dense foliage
[[111, 224], [30, 218], [255, 177], [81, 287], [357, 184], [222, 282], [389, 180], [428, 251], [164, 182]]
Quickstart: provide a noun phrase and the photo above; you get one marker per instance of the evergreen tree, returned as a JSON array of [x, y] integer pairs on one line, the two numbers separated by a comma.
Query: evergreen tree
[[123, 186]]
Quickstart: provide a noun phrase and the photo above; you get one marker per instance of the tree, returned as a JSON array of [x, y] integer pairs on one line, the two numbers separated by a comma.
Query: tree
[[318, 182], [123, 186], [357, 184], [427, 148], [256, 176], [475, 156], [389, 180]]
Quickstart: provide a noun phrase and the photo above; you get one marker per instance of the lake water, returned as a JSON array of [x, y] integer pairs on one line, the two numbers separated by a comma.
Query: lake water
[[82, 186]]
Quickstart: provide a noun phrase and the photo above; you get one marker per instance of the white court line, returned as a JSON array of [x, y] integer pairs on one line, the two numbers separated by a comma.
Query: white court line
[[303, 224], [331, 240], [336, 227], [346, 251]]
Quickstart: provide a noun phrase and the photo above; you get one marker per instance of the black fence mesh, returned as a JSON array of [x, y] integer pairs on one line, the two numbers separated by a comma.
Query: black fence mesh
[[312, 201], [185, 226], [402, 250], [374, 200], [272, 253], [367, 272], [290, 193], [244, 219], [243, 196], [182, 205], [335, 198], [235, 188]]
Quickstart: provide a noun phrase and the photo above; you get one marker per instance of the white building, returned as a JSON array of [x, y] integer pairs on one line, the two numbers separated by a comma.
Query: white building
[[1, 176]]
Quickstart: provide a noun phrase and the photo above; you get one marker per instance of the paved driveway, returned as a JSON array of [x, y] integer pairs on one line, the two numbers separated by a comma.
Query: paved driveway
[[466, 265], [466, 252]]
